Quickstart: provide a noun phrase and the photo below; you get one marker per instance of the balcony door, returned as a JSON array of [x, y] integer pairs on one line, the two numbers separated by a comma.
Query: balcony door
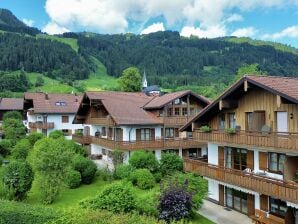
[[282, 121]]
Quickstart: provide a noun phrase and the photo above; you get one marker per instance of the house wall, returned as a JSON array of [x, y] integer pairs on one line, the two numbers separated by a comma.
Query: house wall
[[261, 100], [212, 153], [213, 190]]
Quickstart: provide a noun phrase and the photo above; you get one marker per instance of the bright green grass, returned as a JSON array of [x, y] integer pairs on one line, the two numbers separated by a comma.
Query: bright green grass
[[72, 42], [100, 80], [277, 46], [50, 85]]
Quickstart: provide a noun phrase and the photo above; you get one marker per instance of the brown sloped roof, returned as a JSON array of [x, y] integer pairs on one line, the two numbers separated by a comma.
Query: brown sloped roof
[[159, 102], [11, 103], [54, 103], [126, 108], [283, 86]]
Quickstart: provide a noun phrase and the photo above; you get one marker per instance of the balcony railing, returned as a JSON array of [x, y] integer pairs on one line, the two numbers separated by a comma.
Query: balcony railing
[[275, 140], [287, 191], [105, 121], [85, 140], [174, 143], [175, 120], [41, 125]]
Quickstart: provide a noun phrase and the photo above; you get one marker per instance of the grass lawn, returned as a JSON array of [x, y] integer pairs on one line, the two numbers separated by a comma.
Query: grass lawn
[[72, 42], [100, 80]]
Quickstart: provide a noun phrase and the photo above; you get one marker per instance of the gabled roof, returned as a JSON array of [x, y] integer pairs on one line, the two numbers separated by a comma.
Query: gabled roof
[[54, 103], [11, 103], [285, 87], [163, 100], [126, 108]]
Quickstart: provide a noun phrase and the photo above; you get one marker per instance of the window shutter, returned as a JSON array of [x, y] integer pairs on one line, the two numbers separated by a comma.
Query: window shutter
[[250, 159], [152, 134], [263, 160], [221, 195], [138, 134], [176, 132], [220, 156], [250, 204], [264, 202]]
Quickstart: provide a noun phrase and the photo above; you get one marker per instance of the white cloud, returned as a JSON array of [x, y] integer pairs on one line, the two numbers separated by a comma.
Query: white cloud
[[114, 16], [28, 22], [245, 32], [153, 28], [211, 32], [53, 28], [291, 32], [234, 18]]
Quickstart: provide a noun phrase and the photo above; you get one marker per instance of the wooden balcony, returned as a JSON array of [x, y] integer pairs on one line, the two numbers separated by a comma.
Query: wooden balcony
[[85, 140], [148, 145], [273, 140], [175, 120], [104, 121], [287, 191], [41, 125]]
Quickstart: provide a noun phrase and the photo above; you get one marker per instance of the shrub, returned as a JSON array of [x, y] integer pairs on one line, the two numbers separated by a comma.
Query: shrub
[[21, 149], [105, 174], [175, 203], [86, 167], [123, 171], [5, 147], [12, 115], [196, 186], [147, 205], [34, 137], [117, 157], [205, 128], [1, 160], [14, 129], [20, 213], [116, 197], [144, 160], [73, 179], [143, 179], [56, 134], [230, 131], [18, 177], [170, 163], [157, 177]]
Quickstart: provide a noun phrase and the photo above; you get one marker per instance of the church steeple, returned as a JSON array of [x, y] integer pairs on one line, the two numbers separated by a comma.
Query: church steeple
[[144, 80]]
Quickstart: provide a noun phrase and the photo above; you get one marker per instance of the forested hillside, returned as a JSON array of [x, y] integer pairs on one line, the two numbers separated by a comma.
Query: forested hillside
[[165, 55], [171, 61]]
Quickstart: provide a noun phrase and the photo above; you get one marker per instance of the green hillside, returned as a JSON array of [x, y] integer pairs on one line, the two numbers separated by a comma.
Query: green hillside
[[276, 45], [73, 43]]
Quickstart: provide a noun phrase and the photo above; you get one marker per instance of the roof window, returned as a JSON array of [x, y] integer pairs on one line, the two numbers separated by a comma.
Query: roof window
[[60, 103]]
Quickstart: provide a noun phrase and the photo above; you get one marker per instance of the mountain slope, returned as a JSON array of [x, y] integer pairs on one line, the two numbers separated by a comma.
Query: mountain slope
[[9, 22]]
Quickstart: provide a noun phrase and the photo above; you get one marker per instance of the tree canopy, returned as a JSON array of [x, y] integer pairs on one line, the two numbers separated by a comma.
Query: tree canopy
[[131, 80]]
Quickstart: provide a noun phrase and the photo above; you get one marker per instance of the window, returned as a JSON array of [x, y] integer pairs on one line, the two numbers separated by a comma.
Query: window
[[249, 121], [278, 207], [236, 200], [192, 111], [239, 159], [177, 101], [65, 119], [222, 121], [232, 120], [189, 134], [60, 103], [276, 162], [145, 134], [103, 131], [66, 132], [177, 111], [184, 111], [118, 133], [169, 132], [193, 153], [103, 151], [228, 158]]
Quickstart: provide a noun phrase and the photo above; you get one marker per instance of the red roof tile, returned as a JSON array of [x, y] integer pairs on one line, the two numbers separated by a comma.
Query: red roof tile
[[11, 103]]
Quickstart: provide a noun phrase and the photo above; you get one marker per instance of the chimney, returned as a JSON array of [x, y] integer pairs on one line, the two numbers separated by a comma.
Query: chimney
[[46, 96]]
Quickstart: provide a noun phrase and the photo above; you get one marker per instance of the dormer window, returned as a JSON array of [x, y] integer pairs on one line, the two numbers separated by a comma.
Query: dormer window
[[177, 101], [60, 103]]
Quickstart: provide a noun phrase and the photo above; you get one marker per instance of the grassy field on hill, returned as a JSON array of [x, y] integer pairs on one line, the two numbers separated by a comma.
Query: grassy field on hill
[[72, 42]]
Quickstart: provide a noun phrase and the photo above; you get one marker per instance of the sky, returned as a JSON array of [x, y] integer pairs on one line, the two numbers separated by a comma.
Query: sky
[[273, 20]]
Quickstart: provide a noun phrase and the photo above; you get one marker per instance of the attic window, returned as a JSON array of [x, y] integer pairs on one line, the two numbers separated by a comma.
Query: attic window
[[60, 103]]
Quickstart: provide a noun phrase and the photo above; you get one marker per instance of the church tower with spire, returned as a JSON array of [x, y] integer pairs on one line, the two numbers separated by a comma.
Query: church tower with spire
[[144, 80]]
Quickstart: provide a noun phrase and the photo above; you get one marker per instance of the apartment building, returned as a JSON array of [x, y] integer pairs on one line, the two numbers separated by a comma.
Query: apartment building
[[251, 135], [50, 112], [136, 121]]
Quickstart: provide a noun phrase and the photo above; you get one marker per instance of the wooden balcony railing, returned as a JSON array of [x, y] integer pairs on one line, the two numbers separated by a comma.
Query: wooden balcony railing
[[175, 143], [41, 125], [274, 140], [105, 121], [82, 139], [175, 120], [283, 190]]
